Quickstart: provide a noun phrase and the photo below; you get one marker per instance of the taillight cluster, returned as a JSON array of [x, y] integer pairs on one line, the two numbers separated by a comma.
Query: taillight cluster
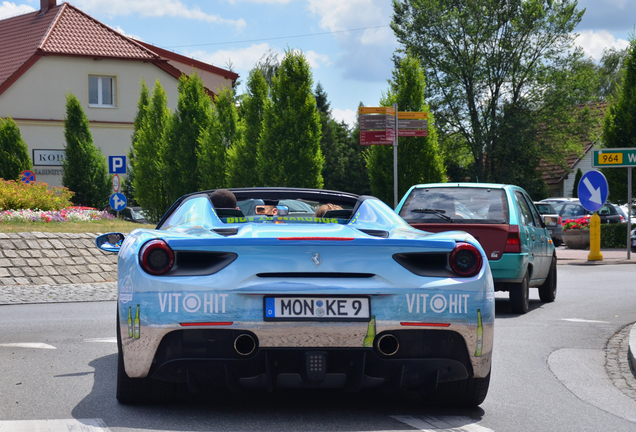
[[513, 242], [156, 257], [465, 260]]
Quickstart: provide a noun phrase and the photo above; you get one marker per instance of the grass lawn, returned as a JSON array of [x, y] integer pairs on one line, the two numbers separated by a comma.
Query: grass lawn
[[102, 226]]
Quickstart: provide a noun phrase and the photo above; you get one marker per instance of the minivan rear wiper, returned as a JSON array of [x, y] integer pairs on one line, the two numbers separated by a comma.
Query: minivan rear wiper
[[436, 212]]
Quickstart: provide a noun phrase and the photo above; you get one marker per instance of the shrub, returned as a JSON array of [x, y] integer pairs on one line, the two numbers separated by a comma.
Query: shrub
[[614, 235], [18, 196]]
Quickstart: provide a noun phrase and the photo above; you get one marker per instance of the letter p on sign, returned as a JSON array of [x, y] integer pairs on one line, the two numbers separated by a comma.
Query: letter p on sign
[[117, 164]]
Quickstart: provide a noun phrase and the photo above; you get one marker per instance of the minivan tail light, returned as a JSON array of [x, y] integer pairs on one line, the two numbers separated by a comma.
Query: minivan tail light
[[513, 242], [465, 259], [156, 257]]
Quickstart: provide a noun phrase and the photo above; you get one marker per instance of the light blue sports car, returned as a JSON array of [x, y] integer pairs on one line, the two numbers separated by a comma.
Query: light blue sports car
[[268, 295]]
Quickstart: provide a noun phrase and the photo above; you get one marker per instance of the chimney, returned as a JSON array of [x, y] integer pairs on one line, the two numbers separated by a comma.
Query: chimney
[[45, 5]]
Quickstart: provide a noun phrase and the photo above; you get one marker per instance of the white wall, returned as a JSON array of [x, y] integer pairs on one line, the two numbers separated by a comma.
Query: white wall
[[585, 164], [37, 102]]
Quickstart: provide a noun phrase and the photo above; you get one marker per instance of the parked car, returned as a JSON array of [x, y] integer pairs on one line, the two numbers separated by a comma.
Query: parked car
[[353, 300], [573, 209], [633, 213], [633, 240], [505, 221], [131, 214], [552, 221]]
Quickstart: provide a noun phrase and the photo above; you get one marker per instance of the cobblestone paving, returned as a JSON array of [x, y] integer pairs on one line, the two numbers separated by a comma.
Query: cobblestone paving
[[617, 363], [35, 258], [20, 294]]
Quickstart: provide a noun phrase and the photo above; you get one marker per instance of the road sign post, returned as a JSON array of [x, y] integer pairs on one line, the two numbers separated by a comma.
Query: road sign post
[[27, 177], [383, 126], [593, 191], [619, 158], [118, 202]]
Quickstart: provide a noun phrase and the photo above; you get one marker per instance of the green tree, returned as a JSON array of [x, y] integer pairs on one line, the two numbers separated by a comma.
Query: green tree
[[356, 173], [289, 148], [85, 168], [148, 181], [419, 158], [610, 72], [191, 118], [577, 179], [224, 132], [322, 102], [142, 113], [332, 144], [14, 152], [619, 126], [269, 66], [242, 156], [485, 63]]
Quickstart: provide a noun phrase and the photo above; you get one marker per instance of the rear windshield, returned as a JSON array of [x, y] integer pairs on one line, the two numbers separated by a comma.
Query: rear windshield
[[545, 208], [456, 205]]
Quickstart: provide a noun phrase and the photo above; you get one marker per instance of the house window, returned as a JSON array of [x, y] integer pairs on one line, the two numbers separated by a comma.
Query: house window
[[101, 91]]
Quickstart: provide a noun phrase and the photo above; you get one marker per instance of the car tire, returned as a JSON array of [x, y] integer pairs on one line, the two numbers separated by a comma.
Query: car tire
[[467, 393], [548, 291], [132, 391], [520, 295]]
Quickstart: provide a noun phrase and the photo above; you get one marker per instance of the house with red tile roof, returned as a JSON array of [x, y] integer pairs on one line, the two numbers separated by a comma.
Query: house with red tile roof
[[560, 180], [59, 49]]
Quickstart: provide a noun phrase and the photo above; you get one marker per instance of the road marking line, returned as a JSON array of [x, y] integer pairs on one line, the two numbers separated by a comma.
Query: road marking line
[[70, 425], [107, 340], [442, 423], [28, 345], [581, 320]]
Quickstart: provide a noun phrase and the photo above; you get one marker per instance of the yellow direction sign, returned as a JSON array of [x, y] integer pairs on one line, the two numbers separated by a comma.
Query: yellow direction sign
[[412, 115], [376, 110]]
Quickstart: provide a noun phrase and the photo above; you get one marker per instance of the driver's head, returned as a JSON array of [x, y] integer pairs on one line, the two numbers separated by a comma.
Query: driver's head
[[266, 210]]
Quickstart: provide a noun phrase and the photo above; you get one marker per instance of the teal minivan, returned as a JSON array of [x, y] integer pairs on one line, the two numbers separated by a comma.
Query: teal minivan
[[504, 220]]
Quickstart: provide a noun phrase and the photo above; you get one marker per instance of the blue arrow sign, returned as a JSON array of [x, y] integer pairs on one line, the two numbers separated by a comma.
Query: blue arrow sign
[[593, 190], [118, 201]]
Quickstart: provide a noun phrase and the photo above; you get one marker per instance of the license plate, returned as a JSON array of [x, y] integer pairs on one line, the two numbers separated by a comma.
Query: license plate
[[634, 242], [317, 308]]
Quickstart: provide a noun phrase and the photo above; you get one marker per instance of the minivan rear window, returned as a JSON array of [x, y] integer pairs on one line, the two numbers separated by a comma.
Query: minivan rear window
[[456, 205]]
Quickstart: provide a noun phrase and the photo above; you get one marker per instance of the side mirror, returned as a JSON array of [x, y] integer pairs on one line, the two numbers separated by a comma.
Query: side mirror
[[110, 242]]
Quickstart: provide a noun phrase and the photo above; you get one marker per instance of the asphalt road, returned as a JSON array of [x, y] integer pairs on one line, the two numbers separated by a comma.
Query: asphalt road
[[549, 373]]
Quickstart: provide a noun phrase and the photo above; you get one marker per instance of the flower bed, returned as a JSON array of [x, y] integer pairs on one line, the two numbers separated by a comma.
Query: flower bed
[[576, 224], [64, 215]]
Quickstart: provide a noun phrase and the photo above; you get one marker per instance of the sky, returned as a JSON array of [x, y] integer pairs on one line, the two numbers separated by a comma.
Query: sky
[[348, 43]]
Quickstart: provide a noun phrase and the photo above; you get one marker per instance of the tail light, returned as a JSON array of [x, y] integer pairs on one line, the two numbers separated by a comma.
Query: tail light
[[465, 260], [560, 221], [513, 242], [156, 257]]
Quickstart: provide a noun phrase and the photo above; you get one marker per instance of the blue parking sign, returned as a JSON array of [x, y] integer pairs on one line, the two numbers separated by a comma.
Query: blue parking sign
[[116, 164], [118, 201]]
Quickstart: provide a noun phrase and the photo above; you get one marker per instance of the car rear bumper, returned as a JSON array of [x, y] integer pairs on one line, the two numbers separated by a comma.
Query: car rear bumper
[[258, 356], [511, 267], [415, 359]]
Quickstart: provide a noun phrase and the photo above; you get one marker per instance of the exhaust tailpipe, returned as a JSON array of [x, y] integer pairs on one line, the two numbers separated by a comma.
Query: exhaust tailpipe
[[244, 344], [388, 345]]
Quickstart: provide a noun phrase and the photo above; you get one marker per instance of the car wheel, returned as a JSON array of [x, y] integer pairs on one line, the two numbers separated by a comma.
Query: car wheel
[[520, 295], [557, 242], [139, 390], [547, 291], [470, 392]]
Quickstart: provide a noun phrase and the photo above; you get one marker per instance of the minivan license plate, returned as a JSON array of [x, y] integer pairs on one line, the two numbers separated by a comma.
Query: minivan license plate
[[317, 308]]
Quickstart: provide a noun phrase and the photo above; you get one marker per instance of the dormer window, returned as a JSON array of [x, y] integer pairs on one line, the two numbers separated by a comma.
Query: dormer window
[[101, 91]]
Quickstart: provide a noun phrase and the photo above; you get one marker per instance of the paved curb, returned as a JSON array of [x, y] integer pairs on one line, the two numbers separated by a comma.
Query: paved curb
[[631, 353]]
